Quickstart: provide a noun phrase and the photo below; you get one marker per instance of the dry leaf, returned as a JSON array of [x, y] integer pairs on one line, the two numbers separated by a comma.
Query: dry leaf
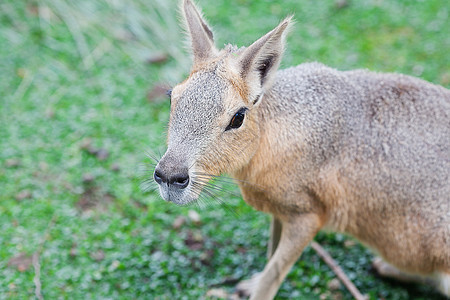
[[102, 154], [157, 58], [88, 177], [334, 284], [341, 4], [115, 167], [206, 256], [12, 163], [22, 195], [179, 221], [22, 262], [194, 241], [73, 250], [94, 199], [98, 255], [158, 93], [194, 216]]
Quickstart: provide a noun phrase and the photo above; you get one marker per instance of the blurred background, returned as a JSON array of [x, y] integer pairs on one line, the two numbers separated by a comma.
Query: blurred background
[[82, 103]]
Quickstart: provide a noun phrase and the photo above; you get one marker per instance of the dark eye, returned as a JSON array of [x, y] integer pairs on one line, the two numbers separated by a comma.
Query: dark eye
[[237, 119]]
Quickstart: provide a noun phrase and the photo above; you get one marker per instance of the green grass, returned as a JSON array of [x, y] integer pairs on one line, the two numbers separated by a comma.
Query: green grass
[[76, 124]]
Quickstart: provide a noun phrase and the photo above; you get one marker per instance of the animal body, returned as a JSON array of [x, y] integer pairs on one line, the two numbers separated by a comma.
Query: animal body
[[363, 153]]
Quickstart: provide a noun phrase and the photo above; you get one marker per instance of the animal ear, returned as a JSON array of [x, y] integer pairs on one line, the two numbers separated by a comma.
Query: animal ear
[[200, 34], [259, 62]]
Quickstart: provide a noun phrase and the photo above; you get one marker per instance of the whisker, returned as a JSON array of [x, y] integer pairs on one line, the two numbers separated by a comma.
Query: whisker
[[212, 194], [203, 199], [147, 170], [203, 190], [155, 158], [143, 171], [148, 186], [209, 198], [213, 182], [216, 179], [148, 180], [159, 153], [197, 203], [227, 180], [218, 188], [191, 165], [223, 204]]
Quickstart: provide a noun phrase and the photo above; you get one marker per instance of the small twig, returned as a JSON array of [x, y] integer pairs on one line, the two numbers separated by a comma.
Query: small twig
[[36, 257], [37, 276], [338, 271]]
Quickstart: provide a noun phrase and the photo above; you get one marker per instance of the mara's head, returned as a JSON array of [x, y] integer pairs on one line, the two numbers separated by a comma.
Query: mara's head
[[214, 121]]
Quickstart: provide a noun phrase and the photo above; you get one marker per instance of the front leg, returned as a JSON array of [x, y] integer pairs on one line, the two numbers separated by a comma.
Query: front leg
[[295, 235], [245, 287]]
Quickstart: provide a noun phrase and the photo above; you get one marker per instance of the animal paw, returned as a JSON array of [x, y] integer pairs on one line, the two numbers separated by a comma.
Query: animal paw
[[245, 288], [385, 269], [382, 268]]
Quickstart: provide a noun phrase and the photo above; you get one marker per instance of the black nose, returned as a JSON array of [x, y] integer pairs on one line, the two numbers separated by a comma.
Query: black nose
[[179, 180]]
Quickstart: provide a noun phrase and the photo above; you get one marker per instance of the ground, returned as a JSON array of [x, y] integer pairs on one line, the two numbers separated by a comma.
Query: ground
[[82, 103]]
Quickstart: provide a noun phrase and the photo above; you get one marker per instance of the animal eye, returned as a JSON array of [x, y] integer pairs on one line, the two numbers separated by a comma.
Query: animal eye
[[237, 119]]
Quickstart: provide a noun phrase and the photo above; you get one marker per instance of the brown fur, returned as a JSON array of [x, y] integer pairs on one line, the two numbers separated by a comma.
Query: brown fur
[[356, 152]]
